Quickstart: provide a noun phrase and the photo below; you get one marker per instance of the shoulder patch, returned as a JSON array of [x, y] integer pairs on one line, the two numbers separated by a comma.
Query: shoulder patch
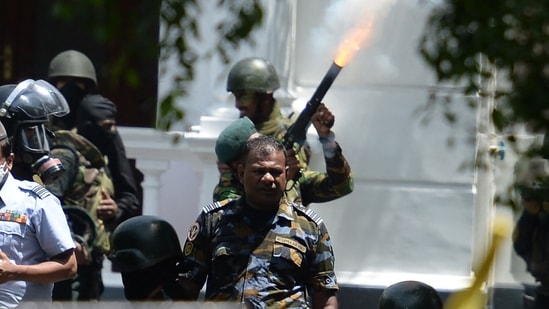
[[35, 188], [216, 205], [308, 212]]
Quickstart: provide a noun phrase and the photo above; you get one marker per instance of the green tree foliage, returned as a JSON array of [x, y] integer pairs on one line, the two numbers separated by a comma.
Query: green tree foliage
[[469, 42], [107, 20], [513, 36]]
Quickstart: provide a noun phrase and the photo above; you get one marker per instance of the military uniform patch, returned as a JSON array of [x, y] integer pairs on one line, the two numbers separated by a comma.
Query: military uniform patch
[[193, 231], [290, 242]]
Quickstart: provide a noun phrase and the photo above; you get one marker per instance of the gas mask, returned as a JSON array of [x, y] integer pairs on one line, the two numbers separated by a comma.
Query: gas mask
[[32, 145], [24, 113]]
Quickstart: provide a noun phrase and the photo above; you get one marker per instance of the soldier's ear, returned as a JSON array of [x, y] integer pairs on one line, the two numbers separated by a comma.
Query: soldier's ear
[[240, 172], [9, 160]]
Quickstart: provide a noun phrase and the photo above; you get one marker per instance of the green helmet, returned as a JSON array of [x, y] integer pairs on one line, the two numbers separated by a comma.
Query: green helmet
[[410, 295], [253, 74], [72, 63], [143, 241]]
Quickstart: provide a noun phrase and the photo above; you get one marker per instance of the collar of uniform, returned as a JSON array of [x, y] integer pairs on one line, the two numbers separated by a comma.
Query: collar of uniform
[[285, 210], [275, 122], [6, 191]]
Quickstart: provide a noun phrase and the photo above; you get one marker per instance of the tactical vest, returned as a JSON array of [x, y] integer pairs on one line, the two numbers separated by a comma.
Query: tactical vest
[[85, 191]]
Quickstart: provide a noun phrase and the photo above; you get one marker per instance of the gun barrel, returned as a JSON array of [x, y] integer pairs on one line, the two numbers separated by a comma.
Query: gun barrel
[[325, 84]]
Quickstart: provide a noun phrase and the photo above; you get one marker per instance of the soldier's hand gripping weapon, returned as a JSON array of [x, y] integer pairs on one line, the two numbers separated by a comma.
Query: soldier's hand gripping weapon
[[297, 133]]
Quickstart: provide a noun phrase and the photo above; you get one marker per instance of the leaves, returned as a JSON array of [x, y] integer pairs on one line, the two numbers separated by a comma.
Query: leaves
[[512, 35]]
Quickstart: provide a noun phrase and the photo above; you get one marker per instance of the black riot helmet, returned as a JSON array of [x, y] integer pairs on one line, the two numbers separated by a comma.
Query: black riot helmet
[[24, 109], [142, 242], [410, 295]]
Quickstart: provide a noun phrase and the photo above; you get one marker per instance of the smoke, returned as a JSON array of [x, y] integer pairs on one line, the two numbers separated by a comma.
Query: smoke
[[343, 16]]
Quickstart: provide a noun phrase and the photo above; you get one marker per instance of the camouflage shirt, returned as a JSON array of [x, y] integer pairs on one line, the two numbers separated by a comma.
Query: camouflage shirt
[[311, 186], [266, 260]]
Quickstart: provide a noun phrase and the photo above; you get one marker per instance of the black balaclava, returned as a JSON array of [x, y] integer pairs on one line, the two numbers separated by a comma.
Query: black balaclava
[[92, 109], [74, 95]]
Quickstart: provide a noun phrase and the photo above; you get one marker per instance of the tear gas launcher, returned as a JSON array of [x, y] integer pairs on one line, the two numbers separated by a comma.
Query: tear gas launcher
[[297, 133]]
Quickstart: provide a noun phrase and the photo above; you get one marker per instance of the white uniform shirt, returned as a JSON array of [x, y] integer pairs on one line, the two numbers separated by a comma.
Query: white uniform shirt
[[33, 228]]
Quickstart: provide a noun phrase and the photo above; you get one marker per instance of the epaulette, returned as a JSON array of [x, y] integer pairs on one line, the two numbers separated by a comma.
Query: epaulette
[[37, 189], [216, 205], [308, 212]]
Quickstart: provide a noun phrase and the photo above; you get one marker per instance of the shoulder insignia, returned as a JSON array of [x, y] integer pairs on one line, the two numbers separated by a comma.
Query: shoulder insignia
[[308, 212], [37, 189], [216, 205], [41, 191]]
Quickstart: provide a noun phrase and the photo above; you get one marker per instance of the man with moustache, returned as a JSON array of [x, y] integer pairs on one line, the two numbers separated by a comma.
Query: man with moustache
[[260, 249]]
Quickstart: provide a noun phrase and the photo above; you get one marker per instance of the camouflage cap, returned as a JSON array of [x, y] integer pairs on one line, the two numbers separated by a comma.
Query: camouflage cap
[[231, 140]]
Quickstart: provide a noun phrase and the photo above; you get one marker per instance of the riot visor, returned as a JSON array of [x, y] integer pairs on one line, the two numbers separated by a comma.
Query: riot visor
[[34, 100]]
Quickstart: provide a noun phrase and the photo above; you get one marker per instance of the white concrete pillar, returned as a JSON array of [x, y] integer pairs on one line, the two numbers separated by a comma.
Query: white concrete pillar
[[152, 170]]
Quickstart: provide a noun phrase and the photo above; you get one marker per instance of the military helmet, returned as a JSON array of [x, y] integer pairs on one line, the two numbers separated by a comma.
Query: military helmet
[[143, 241], [72, 63], [410, 295], [30, 102], [253, 74]]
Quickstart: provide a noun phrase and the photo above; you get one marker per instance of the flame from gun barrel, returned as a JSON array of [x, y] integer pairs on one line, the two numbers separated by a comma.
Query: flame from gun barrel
[[352, 43]]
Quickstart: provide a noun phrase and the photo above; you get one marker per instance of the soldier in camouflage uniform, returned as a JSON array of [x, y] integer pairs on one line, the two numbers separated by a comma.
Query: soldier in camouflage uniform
[[261, 249], [83, 189], [253, 81], [93, 117]]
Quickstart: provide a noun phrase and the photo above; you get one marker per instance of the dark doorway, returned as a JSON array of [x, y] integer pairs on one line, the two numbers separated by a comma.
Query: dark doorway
[[120, 37]]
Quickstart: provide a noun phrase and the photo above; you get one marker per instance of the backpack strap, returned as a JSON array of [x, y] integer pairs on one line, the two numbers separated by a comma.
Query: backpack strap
[[78, 142]]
